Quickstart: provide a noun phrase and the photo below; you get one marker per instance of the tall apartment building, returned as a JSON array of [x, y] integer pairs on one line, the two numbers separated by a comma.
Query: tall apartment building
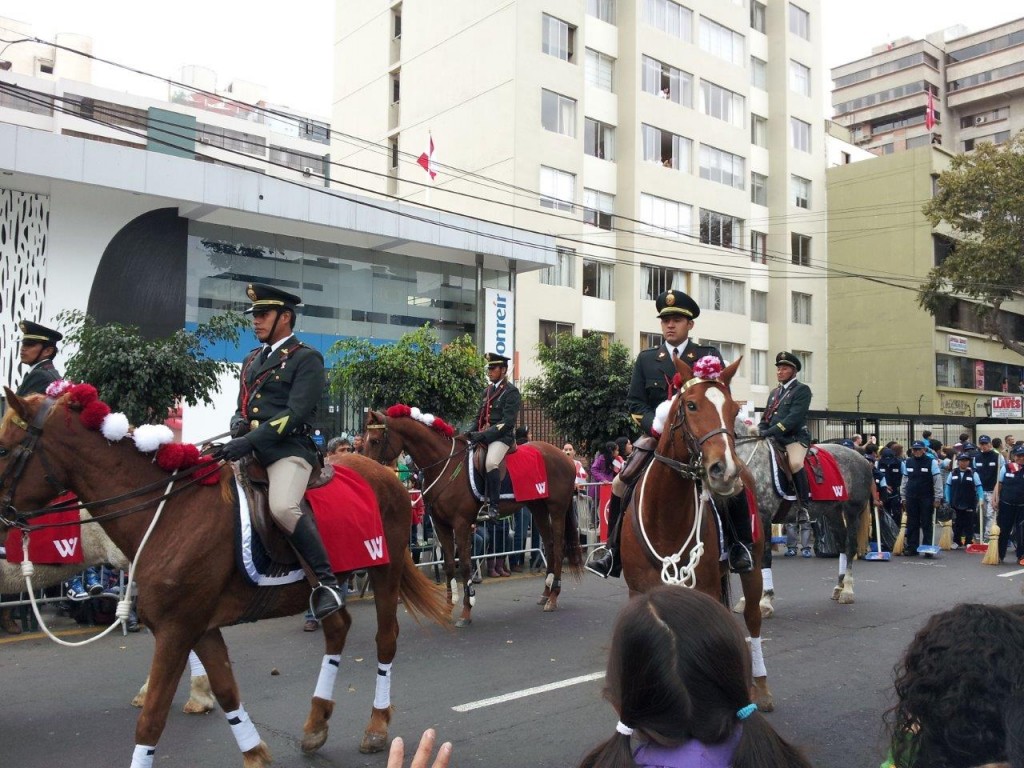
[[976, 82], [664, 145]]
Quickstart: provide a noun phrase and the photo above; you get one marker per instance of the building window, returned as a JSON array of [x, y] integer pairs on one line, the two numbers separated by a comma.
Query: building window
[[758, 130], [557, 37], [597, 279], [758, 16], [800, 249], [664, 217], [759, 306], [758, 367], [799, 22], [396, 22], [602, 9], [394, 153], [669, 17], [723, 167], [563, 273], [557, 113], [598, 69], [720, 229], [919, 141], [758, 188], [557, 189], [550, 330], [801, 308], [723, 295], [800, 134], [799, 78], [598, 139], [666, 82], [666, 148], [654, 281], [650, 340], [800, 191], [396, 87], [721, 41], [759, 73], [805, 365], [722, 103], [729, 351], [758, 247], [598, 208]]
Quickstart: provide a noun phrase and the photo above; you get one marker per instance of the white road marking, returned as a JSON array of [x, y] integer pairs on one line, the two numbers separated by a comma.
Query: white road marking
[[1011, 573], [527, 692]]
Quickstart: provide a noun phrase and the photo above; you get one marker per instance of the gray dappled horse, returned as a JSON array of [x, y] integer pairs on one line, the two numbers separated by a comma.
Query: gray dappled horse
[[849, 521]]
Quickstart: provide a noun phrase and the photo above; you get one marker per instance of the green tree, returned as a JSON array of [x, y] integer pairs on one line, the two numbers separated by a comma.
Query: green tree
[[416, 370], [981, 200], [141, 377], [583, 388]]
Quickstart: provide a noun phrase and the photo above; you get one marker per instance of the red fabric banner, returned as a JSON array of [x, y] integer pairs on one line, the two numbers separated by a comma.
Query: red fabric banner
[[51, 546]]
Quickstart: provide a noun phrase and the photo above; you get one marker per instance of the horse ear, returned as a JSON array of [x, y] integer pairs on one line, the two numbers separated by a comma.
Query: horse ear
[[684, 370], [15, 402], [730, 370], [374, 417]]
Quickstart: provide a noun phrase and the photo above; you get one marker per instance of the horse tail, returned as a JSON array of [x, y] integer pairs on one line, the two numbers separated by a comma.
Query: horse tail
[[864, 529], [571, 548], [421, 597]]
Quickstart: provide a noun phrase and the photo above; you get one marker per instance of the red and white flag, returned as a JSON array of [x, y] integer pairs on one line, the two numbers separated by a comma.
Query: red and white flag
[[426, 160], [929, 114]]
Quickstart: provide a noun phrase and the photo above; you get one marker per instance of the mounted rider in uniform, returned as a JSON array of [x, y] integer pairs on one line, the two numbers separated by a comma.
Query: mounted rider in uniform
[[281, 384], [38, 348], [649, 387], [785, 421], [496, 426]]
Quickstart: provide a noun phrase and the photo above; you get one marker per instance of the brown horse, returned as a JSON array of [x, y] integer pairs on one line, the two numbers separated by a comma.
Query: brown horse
[[188, 584], [669, 532], [446, 487]]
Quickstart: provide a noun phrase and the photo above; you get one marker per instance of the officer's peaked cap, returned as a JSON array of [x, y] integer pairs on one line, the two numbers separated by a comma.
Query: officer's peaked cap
[[674, 302], [34, 333], [493, 358], [267, 297], [787, 358]]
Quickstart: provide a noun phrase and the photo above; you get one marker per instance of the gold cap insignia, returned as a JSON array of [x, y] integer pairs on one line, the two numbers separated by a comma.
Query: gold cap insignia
[[22, 326], [670, 299], [251, 292]]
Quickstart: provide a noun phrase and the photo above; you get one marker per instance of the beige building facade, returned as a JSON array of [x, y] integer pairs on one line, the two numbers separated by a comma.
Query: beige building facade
[[664, 145]]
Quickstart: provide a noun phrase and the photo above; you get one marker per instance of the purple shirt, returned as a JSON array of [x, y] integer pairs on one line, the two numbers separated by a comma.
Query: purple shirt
[[692, 754], [600, 470]]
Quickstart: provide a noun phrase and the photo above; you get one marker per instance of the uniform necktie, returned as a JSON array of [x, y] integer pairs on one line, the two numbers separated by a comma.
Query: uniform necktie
[[675, 353], [264, 354]]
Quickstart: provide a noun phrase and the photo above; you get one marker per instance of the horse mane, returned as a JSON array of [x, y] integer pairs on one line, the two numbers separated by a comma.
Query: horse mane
[[436, 423]]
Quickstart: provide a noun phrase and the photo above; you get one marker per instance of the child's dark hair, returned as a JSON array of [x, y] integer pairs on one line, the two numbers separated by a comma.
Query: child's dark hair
[[959, 688], [679, 669]]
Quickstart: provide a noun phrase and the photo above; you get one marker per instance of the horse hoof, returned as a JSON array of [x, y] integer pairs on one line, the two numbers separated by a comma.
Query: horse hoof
[[200, 697], [767, 607], [836, 592], [373, 742], [550, 606], [140, 700], [845, 598], [311, 742], [766, 703], [461, 623], [741, 605], [543, 600], [257, 757]]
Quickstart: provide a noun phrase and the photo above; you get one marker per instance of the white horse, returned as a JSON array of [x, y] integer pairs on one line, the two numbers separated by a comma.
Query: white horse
[[97, 549]]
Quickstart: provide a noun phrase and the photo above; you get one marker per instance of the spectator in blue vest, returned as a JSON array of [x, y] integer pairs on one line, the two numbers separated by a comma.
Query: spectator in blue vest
[[987, 462], [891, 471], [963, 492], [1009, 500], [921, 492]]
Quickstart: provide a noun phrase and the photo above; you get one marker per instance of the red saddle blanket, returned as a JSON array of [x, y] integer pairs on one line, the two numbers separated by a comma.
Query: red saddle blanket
[[529, 473], [824, 478], [51, 546], [349, 520]]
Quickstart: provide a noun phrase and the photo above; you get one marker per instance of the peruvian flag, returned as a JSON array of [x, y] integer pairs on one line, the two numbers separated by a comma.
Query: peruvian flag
[[426, 160], [929, 114]]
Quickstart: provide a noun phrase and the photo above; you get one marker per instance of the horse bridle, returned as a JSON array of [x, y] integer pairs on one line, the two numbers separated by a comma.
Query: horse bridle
[[22, 453], [694, 468]]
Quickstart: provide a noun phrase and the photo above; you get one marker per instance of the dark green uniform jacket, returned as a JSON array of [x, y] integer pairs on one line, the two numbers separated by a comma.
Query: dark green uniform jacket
[[278, 399], [786, 413], [38, 379], [652, 376], [498, 423]]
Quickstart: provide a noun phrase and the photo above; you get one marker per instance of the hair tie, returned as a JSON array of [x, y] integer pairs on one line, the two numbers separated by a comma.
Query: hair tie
[[744, 712], [624, 729]]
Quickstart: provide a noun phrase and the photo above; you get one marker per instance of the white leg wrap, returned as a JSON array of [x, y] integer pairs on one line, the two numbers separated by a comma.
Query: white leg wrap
[[842, 563], [242, 729], [198, 670], [766, 577], [328, 674], [142, 757], [382, 698], [757, 667]]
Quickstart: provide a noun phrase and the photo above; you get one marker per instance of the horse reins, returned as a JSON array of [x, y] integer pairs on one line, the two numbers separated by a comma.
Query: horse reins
[[447, 460]]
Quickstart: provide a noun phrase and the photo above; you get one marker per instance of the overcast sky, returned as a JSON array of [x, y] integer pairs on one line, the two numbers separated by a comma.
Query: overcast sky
[[287, 47]]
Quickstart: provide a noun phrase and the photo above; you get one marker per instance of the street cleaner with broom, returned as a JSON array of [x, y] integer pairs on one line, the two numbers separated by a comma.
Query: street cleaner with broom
[[964, 492], [922, 495], [1008, 498]]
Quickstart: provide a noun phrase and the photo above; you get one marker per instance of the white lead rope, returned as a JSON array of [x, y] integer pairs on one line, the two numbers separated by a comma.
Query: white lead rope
[[124, 604], [441, 473], [672, 572]]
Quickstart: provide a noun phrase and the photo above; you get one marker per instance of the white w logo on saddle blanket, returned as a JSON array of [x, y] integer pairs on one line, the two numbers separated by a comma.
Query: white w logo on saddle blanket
[[375, 547], [526, 480], [65, 547]]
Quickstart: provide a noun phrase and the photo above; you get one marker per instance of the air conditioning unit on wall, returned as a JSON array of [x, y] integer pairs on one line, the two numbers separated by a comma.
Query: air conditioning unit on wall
[[978, 120], [307, 171]]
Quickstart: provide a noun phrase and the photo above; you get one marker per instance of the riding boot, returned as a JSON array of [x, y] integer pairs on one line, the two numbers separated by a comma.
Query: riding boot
[[604, 559], [740, 559], [803, 496], [492, 489], [327, 596]]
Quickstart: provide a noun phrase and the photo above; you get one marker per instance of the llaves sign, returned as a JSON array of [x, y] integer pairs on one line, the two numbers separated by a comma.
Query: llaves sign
[[499, 321]]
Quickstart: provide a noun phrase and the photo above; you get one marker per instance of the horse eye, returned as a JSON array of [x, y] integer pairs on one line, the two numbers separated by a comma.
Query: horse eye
[[3, 452], [690, 405]]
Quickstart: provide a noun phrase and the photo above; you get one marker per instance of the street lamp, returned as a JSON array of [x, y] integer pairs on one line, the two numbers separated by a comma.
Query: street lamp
[[6, 65]]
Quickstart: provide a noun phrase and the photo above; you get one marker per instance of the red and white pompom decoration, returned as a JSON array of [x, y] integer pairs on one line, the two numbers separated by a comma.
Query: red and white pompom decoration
[[436, 423], [58, 388], [115, 426], [149, 437], [708, 367], [661, 417]]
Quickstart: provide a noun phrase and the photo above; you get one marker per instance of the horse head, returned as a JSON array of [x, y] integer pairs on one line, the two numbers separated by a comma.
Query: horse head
[[699, 427], [382, 444]]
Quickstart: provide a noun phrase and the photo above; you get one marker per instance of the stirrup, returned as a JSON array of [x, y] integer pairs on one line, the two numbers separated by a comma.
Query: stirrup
[[325, 600], [601, 561], [745, 567], [487, 514]]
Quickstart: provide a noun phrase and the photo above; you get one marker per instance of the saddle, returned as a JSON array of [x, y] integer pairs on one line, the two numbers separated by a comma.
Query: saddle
[[252, 477], [480, 457]]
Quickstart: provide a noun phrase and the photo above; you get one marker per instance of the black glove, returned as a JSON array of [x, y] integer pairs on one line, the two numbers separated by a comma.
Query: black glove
[[475, 437], [236, 449], [763, 431], [239, 426]]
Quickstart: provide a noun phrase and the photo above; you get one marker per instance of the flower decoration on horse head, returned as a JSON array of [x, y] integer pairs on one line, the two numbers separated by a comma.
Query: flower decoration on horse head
[[708, 367], [436, 423]]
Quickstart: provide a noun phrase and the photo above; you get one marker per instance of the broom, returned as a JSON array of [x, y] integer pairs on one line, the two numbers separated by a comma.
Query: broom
[[946, 537], [976, 547], [992, 555], [897, 548]]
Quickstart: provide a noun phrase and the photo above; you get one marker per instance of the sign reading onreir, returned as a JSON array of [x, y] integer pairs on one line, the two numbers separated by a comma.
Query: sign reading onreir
[[499, 321]]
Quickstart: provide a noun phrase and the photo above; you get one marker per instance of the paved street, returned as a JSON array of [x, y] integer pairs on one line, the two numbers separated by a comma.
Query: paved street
[[829, 665]]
